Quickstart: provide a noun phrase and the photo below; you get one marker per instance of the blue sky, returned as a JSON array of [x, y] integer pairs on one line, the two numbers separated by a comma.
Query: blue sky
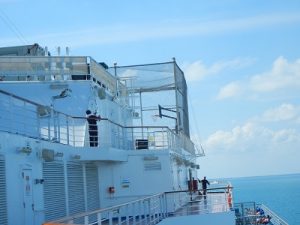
[[241, 60]]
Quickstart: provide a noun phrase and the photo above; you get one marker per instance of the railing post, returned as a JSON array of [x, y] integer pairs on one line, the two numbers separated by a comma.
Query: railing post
[[99, 219], [161, 207], [74, 138], [38, 124], [86, 220], [68, 131], [55, 125], [119, 217], [133, 214], [165, 206], [49, 126], [58, 128], [110, 217], [139, 212], [150, 211], [127, 214], [145, 211]]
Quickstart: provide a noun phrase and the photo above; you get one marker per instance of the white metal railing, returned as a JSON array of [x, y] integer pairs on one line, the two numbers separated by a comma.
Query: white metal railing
[[24, 117], [153, 209], [148, 210], [247, 213], [56, 68], [275, 219]]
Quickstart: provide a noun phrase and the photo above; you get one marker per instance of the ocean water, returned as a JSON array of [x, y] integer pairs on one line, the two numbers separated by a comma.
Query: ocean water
[[280, 193]]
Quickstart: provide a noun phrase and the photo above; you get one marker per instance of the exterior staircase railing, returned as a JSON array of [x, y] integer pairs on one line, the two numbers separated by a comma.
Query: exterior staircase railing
[[153, 209]]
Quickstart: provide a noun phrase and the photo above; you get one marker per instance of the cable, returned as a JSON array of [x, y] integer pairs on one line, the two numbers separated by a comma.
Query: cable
[[196, 126], [12, 27]]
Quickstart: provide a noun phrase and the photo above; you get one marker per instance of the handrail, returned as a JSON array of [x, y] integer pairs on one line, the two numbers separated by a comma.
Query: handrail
[[70, 130], [200, 189], [105, 209], [246, 213], [275, 219], [155, 208]]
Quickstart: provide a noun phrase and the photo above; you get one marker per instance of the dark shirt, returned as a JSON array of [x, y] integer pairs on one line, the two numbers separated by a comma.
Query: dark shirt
[[92, 120], [204, 183]]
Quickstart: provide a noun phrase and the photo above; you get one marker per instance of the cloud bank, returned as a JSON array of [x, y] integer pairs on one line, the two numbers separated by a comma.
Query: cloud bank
[[284, 75], [254, 135]]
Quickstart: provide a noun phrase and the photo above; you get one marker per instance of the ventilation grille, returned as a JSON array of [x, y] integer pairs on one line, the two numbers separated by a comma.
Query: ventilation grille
[[54, 190], [75, 188], [92, 189], [152, 166], [3, 207]]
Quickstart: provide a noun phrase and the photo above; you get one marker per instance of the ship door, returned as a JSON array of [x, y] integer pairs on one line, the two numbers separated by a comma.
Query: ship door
[[28, 197]]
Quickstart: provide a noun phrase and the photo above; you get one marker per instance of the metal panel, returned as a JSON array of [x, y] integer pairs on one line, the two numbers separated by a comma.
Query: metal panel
[[3, 206], [75, 188], [92, 184], [54, 190], [92, 189], [152, 166]]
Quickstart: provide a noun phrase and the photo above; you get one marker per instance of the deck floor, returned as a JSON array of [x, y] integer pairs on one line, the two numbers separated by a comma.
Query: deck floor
[[212, 203]]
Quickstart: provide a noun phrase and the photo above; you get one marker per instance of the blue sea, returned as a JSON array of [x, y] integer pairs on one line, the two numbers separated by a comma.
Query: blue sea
[[280, 193]]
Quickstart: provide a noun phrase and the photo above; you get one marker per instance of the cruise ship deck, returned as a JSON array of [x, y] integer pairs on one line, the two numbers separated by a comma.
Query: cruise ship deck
[[166, 208]]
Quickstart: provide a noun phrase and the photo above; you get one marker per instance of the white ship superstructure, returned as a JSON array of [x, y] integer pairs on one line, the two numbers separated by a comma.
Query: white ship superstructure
[[144, 166]]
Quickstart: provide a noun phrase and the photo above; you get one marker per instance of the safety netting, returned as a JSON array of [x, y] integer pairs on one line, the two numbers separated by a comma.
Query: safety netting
[[150, 85]]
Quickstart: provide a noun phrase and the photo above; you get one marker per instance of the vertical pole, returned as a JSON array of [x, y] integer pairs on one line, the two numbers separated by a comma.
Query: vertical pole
[[58, 127], [49, 127], [127, 214], [140, 212], [145, 212], [99, 220], [68, 130], [24, 118], [176, 97], [74, 138], [150, 211], [119, 217], [86, 220], [133, 214], [141, 112], [38, 124], [110, 217], [10, 114]]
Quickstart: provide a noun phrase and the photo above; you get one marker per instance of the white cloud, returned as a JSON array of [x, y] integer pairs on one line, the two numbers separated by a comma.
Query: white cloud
[[284, 75], [230, 90], [252, 137], [282, 113], [198, 70]]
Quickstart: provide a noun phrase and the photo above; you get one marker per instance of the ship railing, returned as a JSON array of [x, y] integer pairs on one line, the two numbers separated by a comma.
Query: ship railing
[[153, 209], [23, 117], [143, 138], [147, 210], [184, 203], [60, 68], [252, 213], [275, 219]]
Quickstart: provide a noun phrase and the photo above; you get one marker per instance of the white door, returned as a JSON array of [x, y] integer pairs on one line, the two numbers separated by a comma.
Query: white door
[[28, 197]]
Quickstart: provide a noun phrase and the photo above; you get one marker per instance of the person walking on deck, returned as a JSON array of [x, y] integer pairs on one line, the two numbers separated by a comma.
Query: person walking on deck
[[204, 183]]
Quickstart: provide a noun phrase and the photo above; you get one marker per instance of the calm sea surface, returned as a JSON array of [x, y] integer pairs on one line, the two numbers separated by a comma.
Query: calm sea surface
[[280, 193]]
